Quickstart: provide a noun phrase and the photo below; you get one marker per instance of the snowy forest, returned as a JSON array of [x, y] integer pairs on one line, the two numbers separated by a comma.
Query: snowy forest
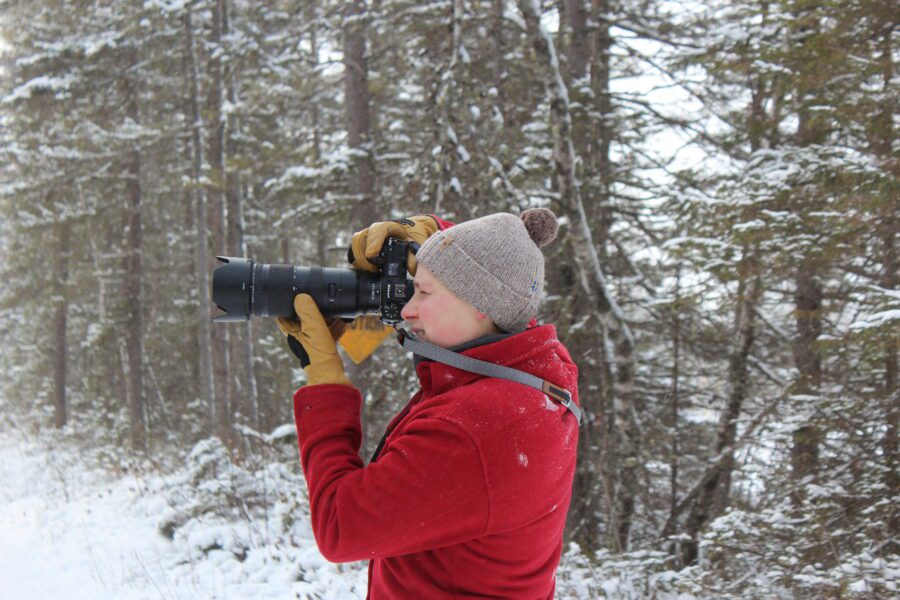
[[725, 276]]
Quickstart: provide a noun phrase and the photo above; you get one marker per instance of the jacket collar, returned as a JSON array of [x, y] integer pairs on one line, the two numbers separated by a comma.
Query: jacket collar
[[488, 338], [507, 349]]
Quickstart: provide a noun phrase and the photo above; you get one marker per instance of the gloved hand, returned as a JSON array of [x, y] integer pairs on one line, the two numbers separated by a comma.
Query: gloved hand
[[367, 243], [313, 339]]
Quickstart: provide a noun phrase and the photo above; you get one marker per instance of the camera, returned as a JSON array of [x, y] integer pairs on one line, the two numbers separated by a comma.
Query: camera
[[243, 288]]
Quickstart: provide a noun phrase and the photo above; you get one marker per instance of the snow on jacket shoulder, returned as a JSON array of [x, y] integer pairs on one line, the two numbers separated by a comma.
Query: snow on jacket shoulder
[[469, 494]]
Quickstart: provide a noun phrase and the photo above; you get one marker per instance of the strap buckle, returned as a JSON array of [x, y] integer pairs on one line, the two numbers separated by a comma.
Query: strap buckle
[[564, 397]]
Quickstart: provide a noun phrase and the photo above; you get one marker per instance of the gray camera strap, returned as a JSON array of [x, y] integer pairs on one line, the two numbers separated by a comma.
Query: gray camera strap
[[473, 365]]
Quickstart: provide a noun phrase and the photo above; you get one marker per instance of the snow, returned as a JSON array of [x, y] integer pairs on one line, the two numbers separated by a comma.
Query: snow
[[464, 55], [754, 225], [61, 543], [876, 320], [511, 15], [331, 163], [71, 532], [166, 5], [550, 404], [523, 459], [92, 44], [50, 83], [700, 241]]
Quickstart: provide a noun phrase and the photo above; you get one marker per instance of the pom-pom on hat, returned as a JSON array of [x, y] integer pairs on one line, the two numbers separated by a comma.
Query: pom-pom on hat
[[494, 263]]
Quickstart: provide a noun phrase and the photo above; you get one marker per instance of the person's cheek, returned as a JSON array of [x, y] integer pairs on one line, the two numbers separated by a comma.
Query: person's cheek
[[429, 317], [442, 320]]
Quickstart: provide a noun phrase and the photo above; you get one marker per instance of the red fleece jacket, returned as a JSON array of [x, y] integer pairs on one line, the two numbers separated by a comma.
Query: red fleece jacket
[[468, 497]]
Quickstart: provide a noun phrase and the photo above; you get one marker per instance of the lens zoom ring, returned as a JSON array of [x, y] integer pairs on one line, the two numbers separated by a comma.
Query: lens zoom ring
[[276, 291]]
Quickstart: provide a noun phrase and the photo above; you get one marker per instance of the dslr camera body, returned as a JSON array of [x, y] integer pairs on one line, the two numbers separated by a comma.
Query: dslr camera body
[[243, 288]]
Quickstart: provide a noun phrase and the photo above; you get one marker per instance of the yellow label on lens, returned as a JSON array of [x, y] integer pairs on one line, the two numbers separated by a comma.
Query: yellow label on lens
[[363, 336]]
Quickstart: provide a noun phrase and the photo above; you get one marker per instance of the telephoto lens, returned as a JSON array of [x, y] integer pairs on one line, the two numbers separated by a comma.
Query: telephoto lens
[[243, 288]]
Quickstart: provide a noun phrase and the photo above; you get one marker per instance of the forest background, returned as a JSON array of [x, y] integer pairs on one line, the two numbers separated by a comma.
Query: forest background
[[726, 273]]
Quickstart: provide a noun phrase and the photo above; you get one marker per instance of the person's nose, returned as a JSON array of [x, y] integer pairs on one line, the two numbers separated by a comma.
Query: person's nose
[[409, 309]]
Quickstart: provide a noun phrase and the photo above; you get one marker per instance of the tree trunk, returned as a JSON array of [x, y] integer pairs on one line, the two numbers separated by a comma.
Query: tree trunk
[[242, 391], [713, 497], [221, 355], [443, 102], [592, 281], [889, 445], [574, 15], [595, 488], [598, 169], [811, 130], [579, 50], [312, 16], [204, 314], [134, 276], [599, 165], [61, 347], [356, 88], [808, 306], [883, 145], [675, 409]]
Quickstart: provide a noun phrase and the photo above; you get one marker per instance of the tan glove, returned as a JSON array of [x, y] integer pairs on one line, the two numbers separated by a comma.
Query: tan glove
[[317, 337], [366, 244]]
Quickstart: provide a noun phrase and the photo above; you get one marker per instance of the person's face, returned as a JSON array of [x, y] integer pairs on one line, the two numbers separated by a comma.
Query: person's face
[[437, 315]]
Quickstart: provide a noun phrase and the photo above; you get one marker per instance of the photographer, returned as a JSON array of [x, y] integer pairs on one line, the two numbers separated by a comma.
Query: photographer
[[468, 492]]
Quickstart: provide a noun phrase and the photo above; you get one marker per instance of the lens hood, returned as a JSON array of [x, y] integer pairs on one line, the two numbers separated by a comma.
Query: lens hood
[[231, 288]]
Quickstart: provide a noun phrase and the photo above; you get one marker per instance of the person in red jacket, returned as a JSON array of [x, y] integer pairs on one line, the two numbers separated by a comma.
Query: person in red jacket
[[468, 492]]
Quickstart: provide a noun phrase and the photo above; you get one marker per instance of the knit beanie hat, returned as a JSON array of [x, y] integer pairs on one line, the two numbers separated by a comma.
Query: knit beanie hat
[[494, 263]]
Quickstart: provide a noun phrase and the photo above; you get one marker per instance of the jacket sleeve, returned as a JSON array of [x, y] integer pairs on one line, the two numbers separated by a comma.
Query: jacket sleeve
[[427, 490]]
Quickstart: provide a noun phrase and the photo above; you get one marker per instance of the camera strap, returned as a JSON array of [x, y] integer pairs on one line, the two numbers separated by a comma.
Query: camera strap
[[481, 367]]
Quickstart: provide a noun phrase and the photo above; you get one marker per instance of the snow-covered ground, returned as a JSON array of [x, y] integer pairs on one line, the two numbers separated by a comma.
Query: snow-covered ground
[[69, 532], [73, 530]]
